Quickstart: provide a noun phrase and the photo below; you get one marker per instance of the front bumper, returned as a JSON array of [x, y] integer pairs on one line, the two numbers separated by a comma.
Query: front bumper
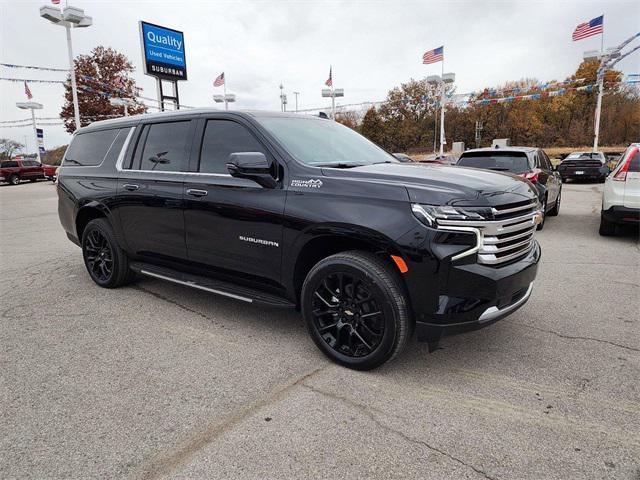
[[452, 296], [622, 215]]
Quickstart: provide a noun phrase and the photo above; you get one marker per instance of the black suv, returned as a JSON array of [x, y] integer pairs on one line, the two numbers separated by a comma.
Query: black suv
[[529, 162], [302, 212]]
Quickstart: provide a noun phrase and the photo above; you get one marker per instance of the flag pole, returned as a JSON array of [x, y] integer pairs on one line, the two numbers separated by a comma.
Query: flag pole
[[224, 86], [442, 107]]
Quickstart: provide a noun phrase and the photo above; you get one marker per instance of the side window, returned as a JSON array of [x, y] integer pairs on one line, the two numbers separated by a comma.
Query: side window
[[222, 138], [165, 149], [9, 164], [112, 155], [546, 161], [89, 149]]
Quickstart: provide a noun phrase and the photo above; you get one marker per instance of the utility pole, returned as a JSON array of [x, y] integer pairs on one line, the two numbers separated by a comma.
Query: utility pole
[[607, 60], [69, 17], [296, 94], [32, 106], [479, 128]]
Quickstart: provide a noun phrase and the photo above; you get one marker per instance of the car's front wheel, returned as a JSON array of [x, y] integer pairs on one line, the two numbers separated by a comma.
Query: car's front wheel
[[356, 311], [106, 262]]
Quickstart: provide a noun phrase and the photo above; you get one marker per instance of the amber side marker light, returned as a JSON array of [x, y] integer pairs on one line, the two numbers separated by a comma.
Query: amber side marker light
[[400, 263]]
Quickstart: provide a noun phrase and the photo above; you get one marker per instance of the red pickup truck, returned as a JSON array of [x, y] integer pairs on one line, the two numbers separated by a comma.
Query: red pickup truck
[[14, 171]]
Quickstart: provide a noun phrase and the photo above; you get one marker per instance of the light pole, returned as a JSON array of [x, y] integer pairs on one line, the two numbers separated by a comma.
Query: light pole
[[442, 82], [69, 17], [122, 102], [333, 93], [607, 60], [227, 98], [32, 106], [296, 94], [283, 99]]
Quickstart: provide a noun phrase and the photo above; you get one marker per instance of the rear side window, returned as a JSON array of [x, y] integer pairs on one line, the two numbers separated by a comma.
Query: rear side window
[[166, 147], [515, 162], [222, 138], [89, 149], [9, 165]]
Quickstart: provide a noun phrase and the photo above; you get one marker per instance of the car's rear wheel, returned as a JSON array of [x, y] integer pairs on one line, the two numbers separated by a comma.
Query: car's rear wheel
[[14, 179], [607, 228], [355, 309], [556, 206], [106, 262]]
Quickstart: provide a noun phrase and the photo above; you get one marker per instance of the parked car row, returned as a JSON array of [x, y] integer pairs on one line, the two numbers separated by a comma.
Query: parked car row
[[17, 170]]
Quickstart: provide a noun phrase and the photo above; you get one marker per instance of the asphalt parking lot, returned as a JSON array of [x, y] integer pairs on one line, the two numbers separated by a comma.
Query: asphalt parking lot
[[161, 381]]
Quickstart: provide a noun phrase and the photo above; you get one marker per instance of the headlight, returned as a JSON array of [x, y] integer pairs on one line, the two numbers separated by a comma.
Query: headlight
[[430, 214]]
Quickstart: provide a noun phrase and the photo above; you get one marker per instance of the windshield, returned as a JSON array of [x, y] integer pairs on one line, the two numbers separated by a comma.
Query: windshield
[[502, 161], [324, 143]]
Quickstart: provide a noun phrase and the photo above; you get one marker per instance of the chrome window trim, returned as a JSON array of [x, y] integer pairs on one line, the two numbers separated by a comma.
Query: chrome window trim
[[123, 150]]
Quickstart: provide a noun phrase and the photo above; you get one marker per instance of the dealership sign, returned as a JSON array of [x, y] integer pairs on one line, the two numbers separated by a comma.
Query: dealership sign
[[163, 52]]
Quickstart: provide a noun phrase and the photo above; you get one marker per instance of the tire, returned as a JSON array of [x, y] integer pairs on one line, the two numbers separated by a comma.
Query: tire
[[556, 206], [352, 331], [607, 228], [14, 179], [99, 248], [544, 215]]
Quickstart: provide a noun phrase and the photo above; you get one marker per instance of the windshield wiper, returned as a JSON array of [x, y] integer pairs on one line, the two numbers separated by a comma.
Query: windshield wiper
[[72, 161], [498, 169], [339, 165]]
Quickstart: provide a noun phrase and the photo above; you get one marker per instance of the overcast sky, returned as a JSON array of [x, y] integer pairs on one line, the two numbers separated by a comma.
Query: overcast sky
[[372, 45]]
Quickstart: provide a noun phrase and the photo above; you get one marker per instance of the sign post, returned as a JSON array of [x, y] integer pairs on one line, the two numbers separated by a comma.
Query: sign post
[[163, 56]]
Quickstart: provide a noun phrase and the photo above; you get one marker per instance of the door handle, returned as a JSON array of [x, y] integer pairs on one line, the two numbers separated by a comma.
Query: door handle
[[194, 192], [130, 187]]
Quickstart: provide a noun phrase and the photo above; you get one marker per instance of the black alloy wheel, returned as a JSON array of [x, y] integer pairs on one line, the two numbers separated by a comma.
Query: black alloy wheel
[[98, 256], [356, 309], [106, 262], [348, 316]]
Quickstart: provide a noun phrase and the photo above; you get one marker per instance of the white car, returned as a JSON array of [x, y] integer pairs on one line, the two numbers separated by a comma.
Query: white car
[[621, 196]]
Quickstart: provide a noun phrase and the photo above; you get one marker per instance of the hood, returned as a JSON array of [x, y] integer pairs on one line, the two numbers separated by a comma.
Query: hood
[[445, 185]]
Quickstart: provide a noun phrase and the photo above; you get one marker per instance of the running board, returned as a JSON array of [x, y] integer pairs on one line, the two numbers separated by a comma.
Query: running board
[[219, 287]]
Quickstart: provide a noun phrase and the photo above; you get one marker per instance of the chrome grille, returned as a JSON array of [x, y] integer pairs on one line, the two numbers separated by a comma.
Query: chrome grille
[[508, 237]]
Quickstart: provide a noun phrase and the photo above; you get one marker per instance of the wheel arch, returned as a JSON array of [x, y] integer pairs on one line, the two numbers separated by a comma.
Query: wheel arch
[[323, 241], [88, 212]]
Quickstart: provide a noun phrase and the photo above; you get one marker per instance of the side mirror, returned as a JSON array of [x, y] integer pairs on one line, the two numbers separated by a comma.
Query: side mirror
[[253, 166]]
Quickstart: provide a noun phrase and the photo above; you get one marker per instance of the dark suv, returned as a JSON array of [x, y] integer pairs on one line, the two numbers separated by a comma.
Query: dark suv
[[528, 162], [301, 212]]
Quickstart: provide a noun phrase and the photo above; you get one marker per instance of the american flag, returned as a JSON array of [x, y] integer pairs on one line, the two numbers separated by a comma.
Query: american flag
[[27, 92], [589, 29], [433, 56], [219, 81], [329, 82]]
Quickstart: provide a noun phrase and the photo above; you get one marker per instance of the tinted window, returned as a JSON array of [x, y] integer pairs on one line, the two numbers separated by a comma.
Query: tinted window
[[222, 138], [514, 162], [165, 149], [112, 155], [9, 164], [88, 149]]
